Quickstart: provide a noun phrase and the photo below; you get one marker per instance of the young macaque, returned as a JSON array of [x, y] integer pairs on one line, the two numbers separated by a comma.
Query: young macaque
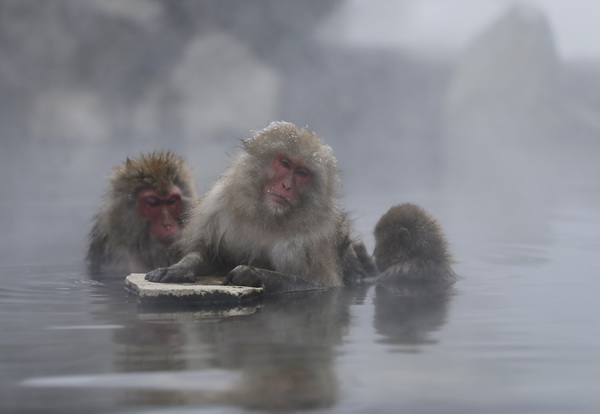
[[410, 246], [273, 220], [141, 215]]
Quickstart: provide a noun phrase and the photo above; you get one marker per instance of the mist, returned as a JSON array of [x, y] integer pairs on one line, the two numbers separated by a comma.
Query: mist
[[482, 129], [483, 112]]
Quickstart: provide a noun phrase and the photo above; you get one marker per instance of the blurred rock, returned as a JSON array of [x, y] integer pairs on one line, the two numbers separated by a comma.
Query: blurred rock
[[511, 138], [217, 84]]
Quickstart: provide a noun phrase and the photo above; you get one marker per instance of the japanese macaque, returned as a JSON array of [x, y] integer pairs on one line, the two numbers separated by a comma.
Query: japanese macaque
[[410, 246], [273, 220], [142, 214]]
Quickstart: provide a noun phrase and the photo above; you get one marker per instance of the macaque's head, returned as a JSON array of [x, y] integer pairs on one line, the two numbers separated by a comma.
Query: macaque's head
[[157, 189], [407, 231], [290, 169]]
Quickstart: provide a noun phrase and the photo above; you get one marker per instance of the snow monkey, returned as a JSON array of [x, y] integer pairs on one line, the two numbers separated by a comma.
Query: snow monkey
[[273, 220], [141, 215], [410, 246]]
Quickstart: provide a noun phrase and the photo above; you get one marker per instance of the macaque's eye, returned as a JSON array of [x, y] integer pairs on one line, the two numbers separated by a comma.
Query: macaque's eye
[[304, 172], [152, 201], [172, 200], [285, 163]]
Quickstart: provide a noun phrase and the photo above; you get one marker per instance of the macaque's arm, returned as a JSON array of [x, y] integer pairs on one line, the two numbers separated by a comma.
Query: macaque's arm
[[184, 271], [272, 282]]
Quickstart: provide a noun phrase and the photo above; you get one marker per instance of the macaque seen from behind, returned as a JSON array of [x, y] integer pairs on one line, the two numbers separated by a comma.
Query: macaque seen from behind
[[410, 246], [141, 215], [273, 220]]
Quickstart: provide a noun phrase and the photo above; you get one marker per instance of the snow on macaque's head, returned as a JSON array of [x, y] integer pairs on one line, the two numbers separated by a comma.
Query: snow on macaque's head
[[162, 213]]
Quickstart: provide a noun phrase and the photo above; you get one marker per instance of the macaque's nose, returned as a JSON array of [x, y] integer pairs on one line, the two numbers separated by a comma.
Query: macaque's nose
[[167, 218], [286, 183]]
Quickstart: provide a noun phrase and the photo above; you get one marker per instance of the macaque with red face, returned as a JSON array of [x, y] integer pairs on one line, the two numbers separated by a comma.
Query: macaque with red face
[[142, 214], [273, 220]]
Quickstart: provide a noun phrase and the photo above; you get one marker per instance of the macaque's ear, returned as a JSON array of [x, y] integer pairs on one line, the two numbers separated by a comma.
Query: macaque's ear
[[404, 236]]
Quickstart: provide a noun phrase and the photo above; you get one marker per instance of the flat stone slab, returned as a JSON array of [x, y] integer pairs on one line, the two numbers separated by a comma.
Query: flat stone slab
[[205, 290]]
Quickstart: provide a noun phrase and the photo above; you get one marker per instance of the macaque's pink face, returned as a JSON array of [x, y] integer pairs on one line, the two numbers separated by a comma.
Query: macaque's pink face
[[290, 176], [162, 212]]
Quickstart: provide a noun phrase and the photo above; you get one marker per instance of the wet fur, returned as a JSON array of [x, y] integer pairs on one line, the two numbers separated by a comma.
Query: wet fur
[[120, 240], [410, 246], [307, 243]]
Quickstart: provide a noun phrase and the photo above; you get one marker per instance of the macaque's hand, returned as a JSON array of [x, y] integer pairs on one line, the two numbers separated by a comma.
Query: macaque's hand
[[243, 275], [272, 282], [173, 274]]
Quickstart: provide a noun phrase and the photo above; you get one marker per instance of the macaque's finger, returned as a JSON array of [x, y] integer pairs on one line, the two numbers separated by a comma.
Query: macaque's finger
[[244, 276], [156, 275]]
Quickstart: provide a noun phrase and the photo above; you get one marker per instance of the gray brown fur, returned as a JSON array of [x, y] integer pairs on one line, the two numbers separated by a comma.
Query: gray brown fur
[[410, 245], [310, 245], [119, 240]]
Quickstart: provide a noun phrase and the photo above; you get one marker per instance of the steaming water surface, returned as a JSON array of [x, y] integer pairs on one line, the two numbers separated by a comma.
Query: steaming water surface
[[518, 333]]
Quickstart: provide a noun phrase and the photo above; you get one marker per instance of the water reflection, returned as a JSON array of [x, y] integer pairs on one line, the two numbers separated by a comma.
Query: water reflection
[[74, 343], [406, 315], [284, 354]]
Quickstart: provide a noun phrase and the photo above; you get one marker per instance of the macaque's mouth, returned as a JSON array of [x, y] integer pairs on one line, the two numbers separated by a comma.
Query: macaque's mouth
[[280, 199], [167, 240], [164, 234]]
